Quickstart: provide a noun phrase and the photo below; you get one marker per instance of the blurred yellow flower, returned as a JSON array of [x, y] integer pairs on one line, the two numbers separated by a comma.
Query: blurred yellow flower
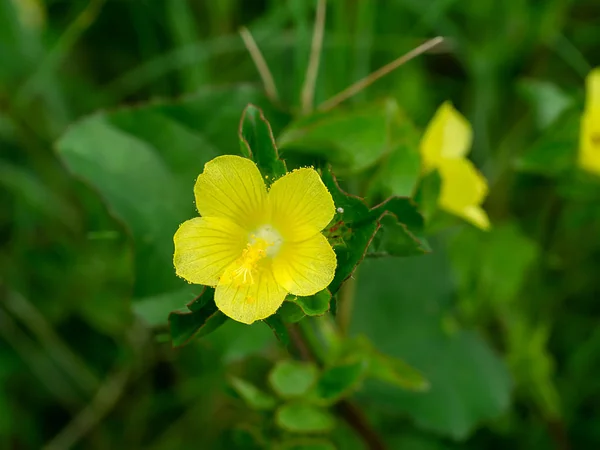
[[589, 143], [256, 246], [444, 147]]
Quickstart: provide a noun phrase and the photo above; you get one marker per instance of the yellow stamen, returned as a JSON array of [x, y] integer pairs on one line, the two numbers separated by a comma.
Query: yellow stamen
[[251, 256]]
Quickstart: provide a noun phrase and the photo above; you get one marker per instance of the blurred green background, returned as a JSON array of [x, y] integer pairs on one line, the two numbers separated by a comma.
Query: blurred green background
[[504, 324]]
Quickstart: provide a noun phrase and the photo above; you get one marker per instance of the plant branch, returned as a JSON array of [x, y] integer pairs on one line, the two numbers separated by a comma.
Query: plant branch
[[260, 63], [347, 410], [24, 310], [310, 81], [371, 78], [107, 396]]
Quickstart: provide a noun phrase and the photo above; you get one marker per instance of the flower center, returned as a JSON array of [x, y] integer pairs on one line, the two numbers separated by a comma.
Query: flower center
[[265, 242]]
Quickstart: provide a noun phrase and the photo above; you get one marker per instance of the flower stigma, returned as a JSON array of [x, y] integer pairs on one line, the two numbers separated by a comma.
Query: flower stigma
[[264, 243]]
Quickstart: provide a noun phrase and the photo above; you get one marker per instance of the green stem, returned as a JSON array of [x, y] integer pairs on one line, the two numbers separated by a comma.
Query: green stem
[[310, 348], [346, 304]]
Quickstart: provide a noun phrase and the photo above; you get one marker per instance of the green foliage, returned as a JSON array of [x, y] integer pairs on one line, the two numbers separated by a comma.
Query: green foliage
[[202, 318], [468, 382], [292, 378], [257, 142], [254, 397], [303, 418], [351, 140], [338, 381]]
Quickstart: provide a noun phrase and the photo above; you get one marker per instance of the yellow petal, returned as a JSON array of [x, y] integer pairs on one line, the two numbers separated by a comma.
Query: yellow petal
[[463, 190], [592, 87], [301, 205], [589, 141], [305, 268], [477, 216], [205, 247], [248, 302], [448, 135], [231, 187]]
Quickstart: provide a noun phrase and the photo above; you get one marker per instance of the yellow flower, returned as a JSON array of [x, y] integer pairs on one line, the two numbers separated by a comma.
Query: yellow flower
[[256, 246], [444, 146], [589, 144]]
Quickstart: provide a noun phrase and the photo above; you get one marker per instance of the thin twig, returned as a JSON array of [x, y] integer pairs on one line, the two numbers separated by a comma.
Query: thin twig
[[55, 56], [260, 63], [38, 362], [107, 396], [371, 78], [24, 310], [354, 417], [310, 80]]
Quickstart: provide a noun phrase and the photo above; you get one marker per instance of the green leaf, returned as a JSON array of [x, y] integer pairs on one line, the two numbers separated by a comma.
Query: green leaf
[[143, 161], [253, 396], [339, 381], [354, 226], [203, 319], [555, 151], [314, 305], [392, 370], [154, 309], [394, 239], [350, 139], [257, 143], [290, 312], [400, 305], [497, 262], [399, 172], [303, 418], [292, 378], [428, 193], [276, 324]]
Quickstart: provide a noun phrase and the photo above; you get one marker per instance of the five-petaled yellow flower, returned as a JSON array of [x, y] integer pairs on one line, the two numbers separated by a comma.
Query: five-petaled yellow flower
[[444, 147], [589, 145], [256, 245]]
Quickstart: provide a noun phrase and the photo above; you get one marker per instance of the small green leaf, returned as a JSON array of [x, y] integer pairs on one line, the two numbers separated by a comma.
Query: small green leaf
[[253, 396], [292, 378], [202, 320], [155, 310], [395, 371], [276, 324], [339, 381], [257, 143], [399, 172], [352, 230], [314, 305], [428, 193], [302, 418], [354, 226], [290, 312], [394, 239]]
